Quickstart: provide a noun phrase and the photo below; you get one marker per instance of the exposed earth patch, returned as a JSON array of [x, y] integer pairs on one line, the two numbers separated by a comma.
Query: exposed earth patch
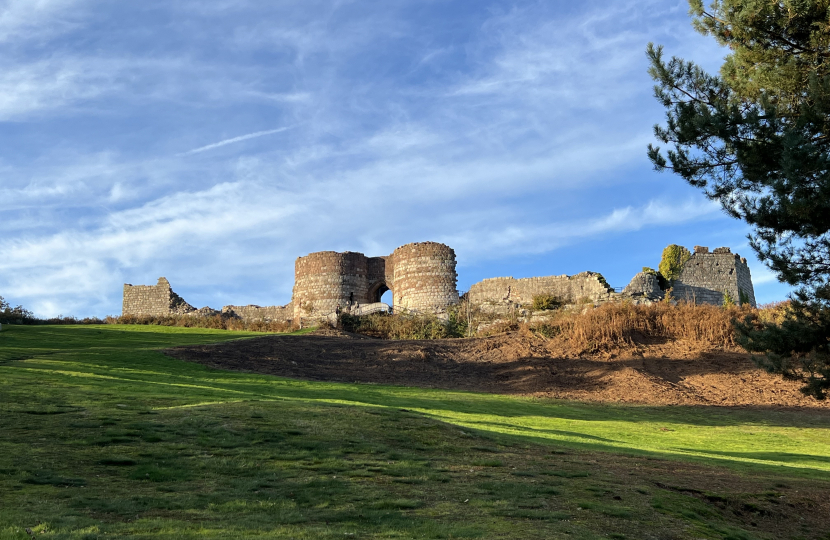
[[660, 373]]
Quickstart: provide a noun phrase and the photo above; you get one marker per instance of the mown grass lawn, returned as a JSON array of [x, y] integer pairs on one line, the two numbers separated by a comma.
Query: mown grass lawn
[[102, 436]]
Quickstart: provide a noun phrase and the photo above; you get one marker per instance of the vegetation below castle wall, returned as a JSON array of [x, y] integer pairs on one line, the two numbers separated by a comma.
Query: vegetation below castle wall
[[613, 326], [406, 326], [215, 322], [607, 327]]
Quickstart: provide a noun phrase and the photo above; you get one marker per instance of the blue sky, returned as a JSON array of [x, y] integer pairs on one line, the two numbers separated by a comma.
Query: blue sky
[[213, 142]]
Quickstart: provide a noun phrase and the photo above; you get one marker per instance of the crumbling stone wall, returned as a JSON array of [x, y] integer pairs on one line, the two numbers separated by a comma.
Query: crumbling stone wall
[[422, 277], [160, 301], [587, 286], [644, 285], [155, 300], [706, 276], [259, 313]]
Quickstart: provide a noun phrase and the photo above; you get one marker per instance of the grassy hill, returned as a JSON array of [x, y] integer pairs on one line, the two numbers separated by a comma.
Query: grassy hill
[[101, 435]]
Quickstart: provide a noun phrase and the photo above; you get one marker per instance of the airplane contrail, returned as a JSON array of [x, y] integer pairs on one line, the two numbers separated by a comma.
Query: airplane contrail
[[235, 140]]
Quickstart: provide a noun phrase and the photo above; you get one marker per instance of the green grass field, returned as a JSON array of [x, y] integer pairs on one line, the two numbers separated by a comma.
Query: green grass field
[[102, 436]]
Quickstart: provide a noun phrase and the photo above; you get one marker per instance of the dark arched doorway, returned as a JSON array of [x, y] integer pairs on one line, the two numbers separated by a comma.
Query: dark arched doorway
[[376, 292]]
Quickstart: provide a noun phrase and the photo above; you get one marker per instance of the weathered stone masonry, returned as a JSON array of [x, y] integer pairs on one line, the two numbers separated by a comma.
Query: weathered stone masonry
[[586, 286], [706, 276], [422, 277], [253, 312], [155, 300]]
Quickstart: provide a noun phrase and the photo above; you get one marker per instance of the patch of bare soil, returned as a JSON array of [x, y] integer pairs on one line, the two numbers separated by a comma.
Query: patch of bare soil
[[667, 373]]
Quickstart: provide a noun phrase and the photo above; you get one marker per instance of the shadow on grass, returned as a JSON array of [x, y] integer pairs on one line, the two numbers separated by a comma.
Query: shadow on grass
[[779, 457], [129, 371]]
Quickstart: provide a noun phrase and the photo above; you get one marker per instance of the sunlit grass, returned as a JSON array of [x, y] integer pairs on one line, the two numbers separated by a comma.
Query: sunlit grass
[[102, 434]]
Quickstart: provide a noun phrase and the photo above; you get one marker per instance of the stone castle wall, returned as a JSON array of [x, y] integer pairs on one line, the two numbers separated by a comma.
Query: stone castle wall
[[706, 276], [644, 285], [327, 279], [259, 313], [424, 277], [421, 277], [157, 300], [569, 289]]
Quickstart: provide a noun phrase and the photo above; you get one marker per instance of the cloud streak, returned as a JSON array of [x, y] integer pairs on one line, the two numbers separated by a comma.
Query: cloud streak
[[234, 140], [507, 131]]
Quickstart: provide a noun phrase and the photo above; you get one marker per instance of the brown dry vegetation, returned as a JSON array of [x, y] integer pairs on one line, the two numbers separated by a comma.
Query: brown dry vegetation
[[624, 325]]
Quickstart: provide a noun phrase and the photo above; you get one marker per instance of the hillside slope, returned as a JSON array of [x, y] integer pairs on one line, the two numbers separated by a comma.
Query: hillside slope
[[664, 372]]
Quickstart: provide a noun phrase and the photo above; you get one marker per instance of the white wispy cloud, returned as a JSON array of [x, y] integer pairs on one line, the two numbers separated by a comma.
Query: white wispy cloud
[[28, 20], [763, 275], [51, 85], [519, 139], [236, 140], [533, 238]]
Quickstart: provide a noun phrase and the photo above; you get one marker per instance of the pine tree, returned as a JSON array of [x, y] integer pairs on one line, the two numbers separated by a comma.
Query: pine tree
[[756, 138]]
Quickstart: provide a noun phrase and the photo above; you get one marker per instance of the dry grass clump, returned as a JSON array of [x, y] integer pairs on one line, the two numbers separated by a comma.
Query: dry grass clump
[[774, 312], [620, 325], [216, 322]]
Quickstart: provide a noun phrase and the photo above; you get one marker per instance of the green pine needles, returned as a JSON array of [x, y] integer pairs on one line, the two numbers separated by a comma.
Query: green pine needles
[[756, 138]]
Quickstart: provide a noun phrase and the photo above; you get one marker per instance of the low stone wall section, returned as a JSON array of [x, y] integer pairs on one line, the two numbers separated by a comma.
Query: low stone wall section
[[587, 286], [260, 313]]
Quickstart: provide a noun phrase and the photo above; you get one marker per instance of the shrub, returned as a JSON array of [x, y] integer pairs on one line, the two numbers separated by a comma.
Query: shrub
[[602, 280], [674, 257], [402, 326], [728, 301], [215, 322], [461, 316], [545, 301], [774, 312]]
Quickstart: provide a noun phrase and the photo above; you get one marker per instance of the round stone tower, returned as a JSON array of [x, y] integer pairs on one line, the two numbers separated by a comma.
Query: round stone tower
[[424, 277], [325, 279]]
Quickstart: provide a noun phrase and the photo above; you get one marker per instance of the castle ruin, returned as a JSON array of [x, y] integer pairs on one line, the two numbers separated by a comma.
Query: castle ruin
[[707, 277], [422, 278]]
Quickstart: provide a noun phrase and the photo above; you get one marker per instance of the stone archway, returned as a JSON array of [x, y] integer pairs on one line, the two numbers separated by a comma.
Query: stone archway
[[376, 291]]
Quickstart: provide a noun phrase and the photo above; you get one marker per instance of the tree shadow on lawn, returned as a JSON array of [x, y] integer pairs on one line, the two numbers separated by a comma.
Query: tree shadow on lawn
[[184, 381], [780, 457]]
